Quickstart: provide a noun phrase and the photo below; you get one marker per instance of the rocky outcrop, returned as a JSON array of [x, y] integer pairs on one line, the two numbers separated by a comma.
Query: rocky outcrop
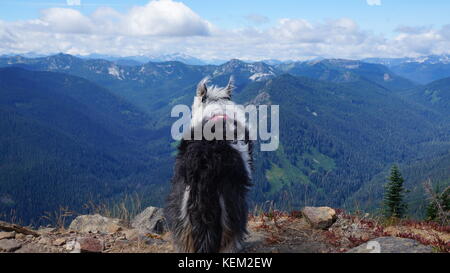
[[7, 235], [151, 220], [96, 224], [275, 232], [19, 229], [319, 217], [392, 245], [9, 245]]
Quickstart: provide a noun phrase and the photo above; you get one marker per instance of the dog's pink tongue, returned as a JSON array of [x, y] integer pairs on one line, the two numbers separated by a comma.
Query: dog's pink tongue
[[217, 117]]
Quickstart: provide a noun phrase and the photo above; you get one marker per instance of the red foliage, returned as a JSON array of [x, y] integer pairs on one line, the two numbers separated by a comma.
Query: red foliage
[[296, 214], [368, 228], [339, 211], [437, 242], [425, 225], [356, 241], [332, 238]]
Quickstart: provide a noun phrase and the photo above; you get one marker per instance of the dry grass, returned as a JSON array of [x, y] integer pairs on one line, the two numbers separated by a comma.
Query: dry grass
[[11, 217], [125, 209], [58, 219]]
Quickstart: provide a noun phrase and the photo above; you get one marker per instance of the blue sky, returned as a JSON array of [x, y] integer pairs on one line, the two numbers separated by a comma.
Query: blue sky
[[231, 13], [384, 18], [348, 25]]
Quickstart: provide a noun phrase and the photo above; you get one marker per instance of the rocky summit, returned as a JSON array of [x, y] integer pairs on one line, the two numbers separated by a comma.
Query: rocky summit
[[311, 230]]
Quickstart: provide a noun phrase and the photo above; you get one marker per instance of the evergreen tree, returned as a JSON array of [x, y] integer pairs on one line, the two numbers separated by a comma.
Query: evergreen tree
[[394, 205], [439, 201]]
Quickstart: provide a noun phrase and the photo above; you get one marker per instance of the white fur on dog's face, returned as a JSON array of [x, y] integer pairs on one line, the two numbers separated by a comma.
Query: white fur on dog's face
[[212, 102]]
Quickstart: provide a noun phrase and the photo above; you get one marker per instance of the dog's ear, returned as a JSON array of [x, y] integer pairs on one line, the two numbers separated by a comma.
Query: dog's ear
[[202, 87], [230, 86]]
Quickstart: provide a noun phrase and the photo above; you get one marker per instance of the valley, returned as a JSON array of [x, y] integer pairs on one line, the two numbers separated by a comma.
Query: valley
[[76, 130]]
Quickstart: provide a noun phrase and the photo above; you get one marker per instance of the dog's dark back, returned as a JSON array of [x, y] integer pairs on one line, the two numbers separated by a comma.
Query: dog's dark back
[[214, 176]]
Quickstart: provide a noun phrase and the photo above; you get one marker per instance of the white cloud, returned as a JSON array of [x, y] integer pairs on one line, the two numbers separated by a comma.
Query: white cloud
[[340, 31], [165, 17], [66, 21], [157, 18], [165, 26], [373, 2]]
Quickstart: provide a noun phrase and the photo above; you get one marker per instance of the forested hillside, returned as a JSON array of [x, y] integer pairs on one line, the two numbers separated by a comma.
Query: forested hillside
[[336, 137], [76, 130], [66, 141], [435, 169], [435, 95]]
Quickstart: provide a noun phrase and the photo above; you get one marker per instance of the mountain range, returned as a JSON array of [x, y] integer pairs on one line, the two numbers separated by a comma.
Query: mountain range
[[422, 70], [76, 130]]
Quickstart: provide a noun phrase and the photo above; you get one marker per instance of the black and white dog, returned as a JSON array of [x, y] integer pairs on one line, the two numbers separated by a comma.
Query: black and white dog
[[207, 210]]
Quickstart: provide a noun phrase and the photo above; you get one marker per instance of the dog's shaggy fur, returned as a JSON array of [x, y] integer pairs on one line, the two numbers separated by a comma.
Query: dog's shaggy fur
[[207, 210]]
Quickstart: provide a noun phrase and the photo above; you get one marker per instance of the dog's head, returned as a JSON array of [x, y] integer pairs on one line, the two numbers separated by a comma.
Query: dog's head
[[212, 102], [213, 105]]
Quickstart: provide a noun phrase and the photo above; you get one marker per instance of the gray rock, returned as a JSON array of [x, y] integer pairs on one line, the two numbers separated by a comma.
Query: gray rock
[[151, 220], [319, 217], [9, 245], [96, 223], [7, 235], [45, 241], [392, 245], [32, 248]]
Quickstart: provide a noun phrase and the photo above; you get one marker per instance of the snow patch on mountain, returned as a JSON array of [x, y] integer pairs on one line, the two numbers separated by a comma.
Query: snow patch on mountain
[[257, 77], [114, 71]]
